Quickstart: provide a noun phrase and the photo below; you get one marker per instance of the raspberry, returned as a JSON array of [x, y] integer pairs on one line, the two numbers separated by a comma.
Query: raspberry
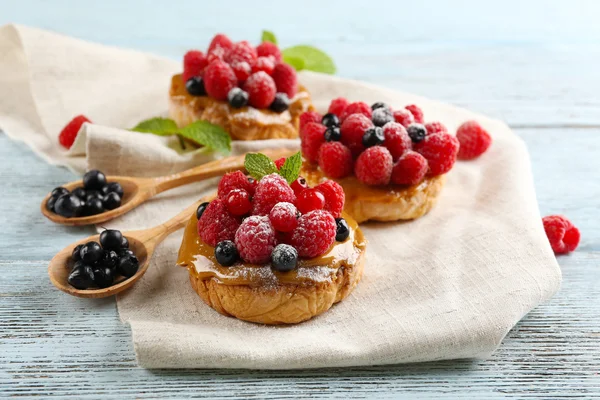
[[285, 79], [261, 90], [255, 239], [334, 197], [234, 180], [216, 224], [284, 217], [241, 70], [338, 106], [397, 140], [299, 185], [435, 127], [358, 107], [279, 162], [374, 166], [271, 189], [264, 64], [440, 150], [403, 117], [410, 169], [219, 79], [68, 134], [309, 116], [473, 139], [335, 160], [194, 63], [266, 49], [562, 234], [310, 199], [239, 52], [313, 137], [221, 41], [238, 202], [314, 234], [416, 112], [353, 129], [217, 54]]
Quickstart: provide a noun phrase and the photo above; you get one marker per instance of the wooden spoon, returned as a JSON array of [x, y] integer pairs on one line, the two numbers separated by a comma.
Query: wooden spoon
[[142, 243], [138, 190]]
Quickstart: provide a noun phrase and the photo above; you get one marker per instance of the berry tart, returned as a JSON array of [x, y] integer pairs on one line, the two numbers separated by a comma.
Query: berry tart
[[390, 163], [271, 252], [249, 91]]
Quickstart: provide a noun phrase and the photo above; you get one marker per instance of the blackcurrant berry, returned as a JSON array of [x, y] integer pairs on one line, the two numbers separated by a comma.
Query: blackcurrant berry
[[195, 86], [91, 252], [80, 192], [111, 239], [111, 201], [110, 259], [284, 258], [237, 98], [128, 265], [59, 191], [103, 277], [113, 187], [93, 194], [373, 137], [342, 230], [124, 243], [333, 134], [93, 206], [330, 120], [200, 209], [226, 253], [417, 132], [68, 205], [75, 255], [81, 277], [94, 180], [280, 103], [50, 203]]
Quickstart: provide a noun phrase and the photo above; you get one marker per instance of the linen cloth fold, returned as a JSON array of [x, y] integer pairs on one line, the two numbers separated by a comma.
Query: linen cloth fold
[[448, 285]]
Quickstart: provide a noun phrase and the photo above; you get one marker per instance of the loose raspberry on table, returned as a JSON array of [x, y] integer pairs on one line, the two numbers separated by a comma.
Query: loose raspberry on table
[[416, 112], [310, 199], [255, 239], [239, 52], [264, 64], [334, 197], [313, 136], [473, 139], [238, 202], [216, 223], [68, 134], [338, 106], [242, 70], [266, 49], [403, 117], [220, 40], [353, 129], [358, 107], [435, 127], [374, 166], [562, 234], [397, 140], [219, 79], [279, 162], [308, 116], [314, 234], [234, 180], [335, 160], [194, 62], [271, 189], [410, 169], [284, 217], [261, 89], [285, 79], [440, 150]]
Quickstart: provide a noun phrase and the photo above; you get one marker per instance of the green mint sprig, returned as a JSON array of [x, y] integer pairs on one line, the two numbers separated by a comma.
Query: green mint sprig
[[303, 57], [268, 36], [259, 165]]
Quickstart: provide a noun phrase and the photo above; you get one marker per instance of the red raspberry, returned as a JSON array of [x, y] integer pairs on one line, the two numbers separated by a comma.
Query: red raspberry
[[335, 160], [261, 90], [241, 70], [264, 64], [358, 107], [410, 169], [279, 162], [220, 40], [562, 234], [68, 134], [271, 189], [374, 166], [310, 199], [309, 116], [338, 106], [416, 112], [255, 239], [435, 127], [473, 139], [194, 63], [239, 52], [217, 54], [284, 217], [234, 180], [219, 79], [397, 140], [313, 137], [266, 49], [440, 150], [299, 185], [334, 197], [403, 117], [314, 234], [238, 202], [216, 224], [353, 129], [285, 79]]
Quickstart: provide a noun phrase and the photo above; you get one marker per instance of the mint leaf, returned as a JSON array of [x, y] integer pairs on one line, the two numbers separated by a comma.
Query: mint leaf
[[268, 36], [209, 135], [296, 62], [290, 169], [314, 59], [158, 126], [259, 165]]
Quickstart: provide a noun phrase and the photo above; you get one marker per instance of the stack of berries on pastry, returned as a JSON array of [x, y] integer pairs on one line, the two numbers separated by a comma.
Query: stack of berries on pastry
[[247, 90]]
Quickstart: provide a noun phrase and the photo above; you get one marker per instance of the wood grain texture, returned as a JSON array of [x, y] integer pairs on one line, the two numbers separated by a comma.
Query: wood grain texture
[[532, 64]]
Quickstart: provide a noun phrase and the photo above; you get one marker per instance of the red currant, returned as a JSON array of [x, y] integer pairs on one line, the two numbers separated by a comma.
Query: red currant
[[238, 202], [309, 200], [299, 185]]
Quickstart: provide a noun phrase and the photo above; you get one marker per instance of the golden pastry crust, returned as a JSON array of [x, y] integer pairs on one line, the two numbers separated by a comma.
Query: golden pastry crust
[[246, 123]]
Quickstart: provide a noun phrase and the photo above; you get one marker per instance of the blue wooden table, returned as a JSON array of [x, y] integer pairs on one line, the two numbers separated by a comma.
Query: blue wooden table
[[534, 64]]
